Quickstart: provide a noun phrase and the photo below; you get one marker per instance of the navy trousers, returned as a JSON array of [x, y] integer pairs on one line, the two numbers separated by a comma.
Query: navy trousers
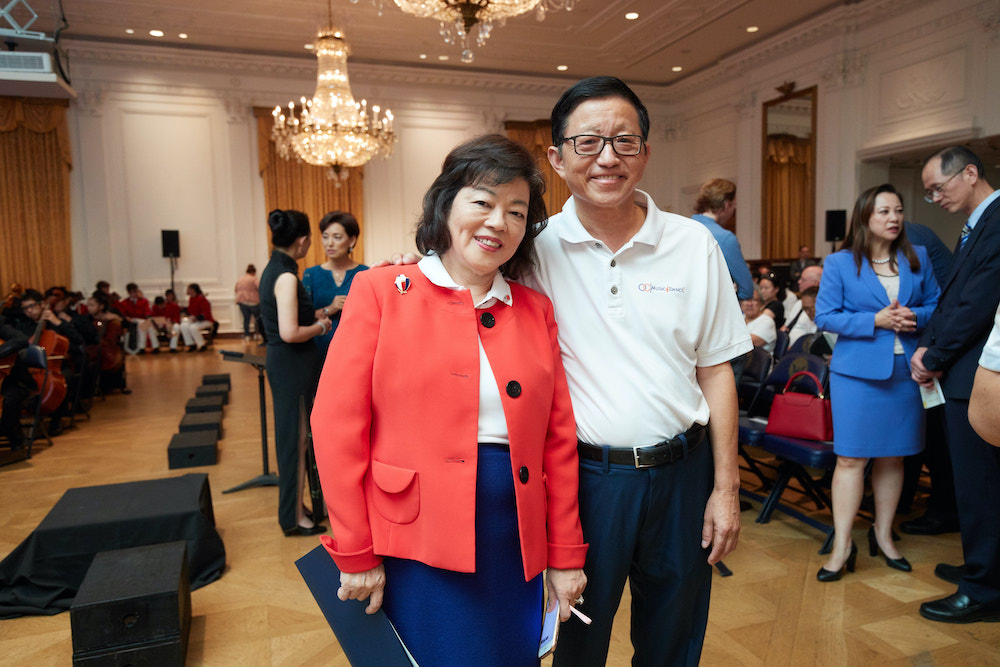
[[644, 526], [977, 489]]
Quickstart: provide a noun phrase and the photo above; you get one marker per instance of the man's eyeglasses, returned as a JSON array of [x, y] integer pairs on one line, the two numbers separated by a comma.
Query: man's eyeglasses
[[933, 194], [592, 144]]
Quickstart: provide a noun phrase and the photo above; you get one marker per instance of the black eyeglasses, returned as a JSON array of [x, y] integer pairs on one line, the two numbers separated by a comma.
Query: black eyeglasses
[[625, 145]]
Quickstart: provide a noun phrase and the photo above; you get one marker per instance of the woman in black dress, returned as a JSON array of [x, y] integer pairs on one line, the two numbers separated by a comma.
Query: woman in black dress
[[293, 361]]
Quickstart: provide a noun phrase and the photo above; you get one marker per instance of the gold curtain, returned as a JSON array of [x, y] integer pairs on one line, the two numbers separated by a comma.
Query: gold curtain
[[536, 136], [36, 247], [788, 196], [290, 184]]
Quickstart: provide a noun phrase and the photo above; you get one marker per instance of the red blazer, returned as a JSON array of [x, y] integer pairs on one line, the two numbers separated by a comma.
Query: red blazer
[[395, 425], [199, 305]]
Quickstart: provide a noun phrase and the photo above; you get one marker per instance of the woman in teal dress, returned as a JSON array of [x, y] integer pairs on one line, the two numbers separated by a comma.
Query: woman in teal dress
[[328, 283]]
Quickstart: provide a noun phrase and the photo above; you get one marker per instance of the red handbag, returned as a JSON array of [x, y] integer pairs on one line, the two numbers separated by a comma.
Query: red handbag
[[798, 415]]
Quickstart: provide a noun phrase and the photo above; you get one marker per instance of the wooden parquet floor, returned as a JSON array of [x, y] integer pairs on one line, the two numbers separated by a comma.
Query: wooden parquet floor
[[772, 611]]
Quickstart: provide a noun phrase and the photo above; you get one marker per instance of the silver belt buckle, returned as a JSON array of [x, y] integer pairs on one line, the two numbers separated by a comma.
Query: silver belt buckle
[[635, 458]]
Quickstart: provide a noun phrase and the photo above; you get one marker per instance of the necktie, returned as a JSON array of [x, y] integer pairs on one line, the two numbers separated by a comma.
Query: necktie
[[966, 230]]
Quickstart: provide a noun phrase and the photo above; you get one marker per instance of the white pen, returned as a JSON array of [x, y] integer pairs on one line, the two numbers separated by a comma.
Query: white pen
[[580, 615]]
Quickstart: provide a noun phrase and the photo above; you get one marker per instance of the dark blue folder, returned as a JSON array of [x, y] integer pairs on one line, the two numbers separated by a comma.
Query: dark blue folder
[[367, 640]]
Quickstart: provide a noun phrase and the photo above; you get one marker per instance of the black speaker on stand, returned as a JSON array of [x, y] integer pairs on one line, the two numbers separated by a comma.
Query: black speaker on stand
[[171, 241], [836, 227]]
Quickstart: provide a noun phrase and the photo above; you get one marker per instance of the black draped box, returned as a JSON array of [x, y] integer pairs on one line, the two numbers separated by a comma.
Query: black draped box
[[193, 448], [132, 603], [213, 390], [211, 403], [42, 575], [201, 421], [220, 378]]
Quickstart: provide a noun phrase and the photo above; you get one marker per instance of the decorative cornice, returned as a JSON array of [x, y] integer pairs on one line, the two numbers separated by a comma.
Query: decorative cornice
[[844, 69]]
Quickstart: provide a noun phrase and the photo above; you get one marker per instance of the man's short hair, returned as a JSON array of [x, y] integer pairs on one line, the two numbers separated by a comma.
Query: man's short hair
[[130, 287], [955, 158], [714, 195], [31, 295], [595, 87]]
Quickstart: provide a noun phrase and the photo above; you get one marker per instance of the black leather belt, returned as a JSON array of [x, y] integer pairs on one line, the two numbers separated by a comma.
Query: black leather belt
[[648, 456]]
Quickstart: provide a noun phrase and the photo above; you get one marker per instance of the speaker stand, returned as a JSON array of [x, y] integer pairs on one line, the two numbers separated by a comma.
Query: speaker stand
[[266, 478]]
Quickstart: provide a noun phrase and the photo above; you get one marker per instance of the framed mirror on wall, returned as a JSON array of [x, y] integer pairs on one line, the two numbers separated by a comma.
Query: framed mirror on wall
[[789, 173]]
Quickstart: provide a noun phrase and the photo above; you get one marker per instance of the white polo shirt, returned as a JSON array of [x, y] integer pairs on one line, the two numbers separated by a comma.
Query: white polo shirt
[[990, 359], [634, 324]]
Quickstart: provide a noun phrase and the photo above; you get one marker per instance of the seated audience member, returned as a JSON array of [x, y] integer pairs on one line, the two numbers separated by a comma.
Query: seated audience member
[[136, 310], [802, 322], [199, 319], [16, 386], [113, 299], [167, 318], [39, 317], [799, 265], [772, 295], [810, 277], [763, 333], [110, 352], [983, 413]]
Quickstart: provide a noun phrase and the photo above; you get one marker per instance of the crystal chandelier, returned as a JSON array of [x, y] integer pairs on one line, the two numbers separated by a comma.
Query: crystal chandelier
[[459, 17], [331, 129]]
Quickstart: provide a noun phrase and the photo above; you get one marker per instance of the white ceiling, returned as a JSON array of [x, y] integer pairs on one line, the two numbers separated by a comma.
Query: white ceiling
[[594, 38]]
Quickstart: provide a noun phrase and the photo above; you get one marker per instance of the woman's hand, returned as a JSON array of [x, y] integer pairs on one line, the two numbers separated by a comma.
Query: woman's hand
[[363, 585], [895, 317], [338, 304], [566, 586]]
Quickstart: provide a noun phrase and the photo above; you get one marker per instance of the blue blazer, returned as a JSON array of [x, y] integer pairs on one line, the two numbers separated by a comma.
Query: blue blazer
[[847, 304]]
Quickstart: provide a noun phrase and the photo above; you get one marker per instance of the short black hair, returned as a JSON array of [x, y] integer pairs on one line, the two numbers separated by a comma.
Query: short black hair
[[130, 287], [956, 158], [286, 226], [31, 295], [196, 287], [491, 159], [345, 219], [594, 88]]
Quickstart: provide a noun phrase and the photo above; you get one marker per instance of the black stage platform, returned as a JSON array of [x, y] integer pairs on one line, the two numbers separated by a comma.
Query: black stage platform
[[42, 575]]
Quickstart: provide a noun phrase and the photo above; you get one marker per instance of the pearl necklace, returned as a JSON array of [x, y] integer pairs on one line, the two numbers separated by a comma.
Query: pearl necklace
[[881, 261]]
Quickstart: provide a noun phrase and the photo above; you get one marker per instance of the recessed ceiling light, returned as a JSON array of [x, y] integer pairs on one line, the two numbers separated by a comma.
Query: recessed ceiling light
[[423, 56], [676, 68], [752, 28], [182, 35], [442, 57], [129, 31], [631, 16], [156, 33], [562, 68]]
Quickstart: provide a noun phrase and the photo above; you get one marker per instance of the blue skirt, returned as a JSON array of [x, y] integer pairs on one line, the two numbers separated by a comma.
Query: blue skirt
[[873, 418], [490, 617]]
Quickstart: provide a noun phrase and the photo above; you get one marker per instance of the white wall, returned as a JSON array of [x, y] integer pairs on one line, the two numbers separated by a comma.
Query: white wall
[[166, 139]]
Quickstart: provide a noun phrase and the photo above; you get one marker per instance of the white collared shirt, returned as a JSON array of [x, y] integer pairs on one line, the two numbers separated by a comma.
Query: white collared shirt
[[492, 423], [635, 324]]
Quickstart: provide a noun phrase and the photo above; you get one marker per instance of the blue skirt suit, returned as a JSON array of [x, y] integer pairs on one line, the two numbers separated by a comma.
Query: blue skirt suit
[[876, 406]]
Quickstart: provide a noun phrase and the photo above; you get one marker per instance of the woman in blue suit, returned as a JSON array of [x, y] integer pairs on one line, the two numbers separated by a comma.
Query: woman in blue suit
[[876, 293]]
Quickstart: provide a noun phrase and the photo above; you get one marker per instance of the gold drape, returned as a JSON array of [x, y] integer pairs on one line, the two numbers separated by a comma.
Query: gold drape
[[788, 196], [289, 184], [36, 247], [536, 136]]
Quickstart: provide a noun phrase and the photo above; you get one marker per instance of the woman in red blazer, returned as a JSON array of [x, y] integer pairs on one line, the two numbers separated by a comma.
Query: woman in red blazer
[[443, 427]]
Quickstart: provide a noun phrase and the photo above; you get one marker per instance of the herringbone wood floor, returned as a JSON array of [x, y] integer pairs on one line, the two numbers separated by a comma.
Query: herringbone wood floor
[[772, 611]]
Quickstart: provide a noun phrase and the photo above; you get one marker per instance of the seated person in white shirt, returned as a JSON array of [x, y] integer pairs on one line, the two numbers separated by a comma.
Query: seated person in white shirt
[[762, 330], [799, 322], [983, 415]]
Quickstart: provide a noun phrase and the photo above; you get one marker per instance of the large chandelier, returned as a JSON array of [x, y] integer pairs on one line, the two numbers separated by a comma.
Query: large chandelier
[[331, 129], [459, 17]]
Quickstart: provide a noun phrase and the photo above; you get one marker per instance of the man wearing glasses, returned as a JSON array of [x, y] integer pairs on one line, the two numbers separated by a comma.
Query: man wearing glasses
[[950, 348], [648, 323]]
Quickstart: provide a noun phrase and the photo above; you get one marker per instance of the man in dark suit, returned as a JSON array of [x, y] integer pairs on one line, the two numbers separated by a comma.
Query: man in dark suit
[[950, 348]]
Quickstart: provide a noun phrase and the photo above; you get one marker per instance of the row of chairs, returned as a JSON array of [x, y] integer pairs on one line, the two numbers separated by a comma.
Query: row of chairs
[[793, 458]]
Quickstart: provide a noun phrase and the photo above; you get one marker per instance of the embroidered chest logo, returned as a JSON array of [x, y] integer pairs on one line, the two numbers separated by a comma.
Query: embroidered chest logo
[[652, 288]]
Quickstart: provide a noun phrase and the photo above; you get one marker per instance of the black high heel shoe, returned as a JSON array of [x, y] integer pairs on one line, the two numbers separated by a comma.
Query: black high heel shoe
[[900, 563], [826, 575]]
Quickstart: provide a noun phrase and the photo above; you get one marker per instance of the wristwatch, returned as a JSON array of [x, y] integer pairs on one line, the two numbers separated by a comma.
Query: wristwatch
[[326, 311]]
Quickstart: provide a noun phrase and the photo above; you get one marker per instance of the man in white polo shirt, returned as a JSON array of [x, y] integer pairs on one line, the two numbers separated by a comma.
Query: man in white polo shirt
[[985, 397], [648, 322]]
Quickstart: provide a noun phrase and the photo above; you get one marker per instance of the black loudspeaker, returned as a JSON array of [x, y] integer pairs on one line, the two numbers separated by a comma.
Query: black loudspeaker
[[171, 242], [836, 225]]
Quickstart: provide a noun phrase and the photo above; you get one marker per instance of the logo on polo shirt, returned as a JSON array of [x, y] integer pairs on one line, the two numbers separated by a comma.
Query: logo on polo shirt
[[650, 288]]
